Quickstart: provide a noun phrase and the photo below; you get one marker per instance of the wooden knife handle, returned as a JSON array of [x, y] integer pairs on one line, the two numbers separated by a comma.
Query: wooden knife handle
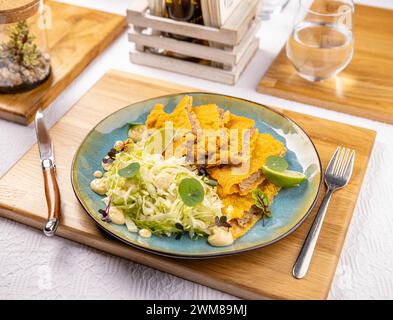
[[52, 194]]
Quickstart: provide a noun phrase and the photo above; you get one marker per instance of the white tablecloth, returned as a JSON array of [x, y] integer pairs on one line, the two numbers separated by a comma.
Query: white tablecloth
[[33, 266]]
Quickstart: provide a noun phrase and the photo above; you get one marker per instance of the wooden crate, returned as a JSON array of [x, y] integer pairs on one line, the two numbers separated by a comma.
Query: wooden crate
[[231, 47]]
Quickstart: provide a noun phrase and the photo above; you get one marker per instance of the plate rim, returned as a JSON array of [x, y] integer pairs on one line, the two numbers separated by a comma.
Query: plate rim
[[199, 256]]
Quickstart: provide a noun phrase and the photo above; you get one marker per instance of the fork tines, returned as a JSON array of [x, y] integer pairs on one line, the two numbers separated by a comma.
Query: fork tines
[[341, 165]]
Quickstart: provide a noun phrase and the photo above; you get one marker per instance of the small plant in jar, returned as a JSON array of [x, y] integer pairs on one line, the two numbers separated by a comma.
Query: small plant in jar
[[24, 62]]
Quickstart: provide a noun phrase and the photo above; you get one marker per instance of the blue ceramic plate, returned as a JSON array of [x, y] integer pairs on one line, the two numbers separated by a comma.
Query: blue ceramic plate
[[290, 207]]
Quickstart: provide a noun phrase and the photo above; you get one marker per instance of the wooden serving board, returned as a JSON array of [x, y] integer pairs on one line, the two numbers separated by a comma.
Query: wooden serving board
[[364, 88], [263, 273], [76, 36]]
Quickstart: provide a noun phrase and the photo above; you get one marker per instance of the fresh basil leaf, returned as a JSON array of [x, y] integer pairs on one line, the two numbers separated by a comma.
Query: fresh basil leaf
[[276, 163], [130, 171], [191, 192]]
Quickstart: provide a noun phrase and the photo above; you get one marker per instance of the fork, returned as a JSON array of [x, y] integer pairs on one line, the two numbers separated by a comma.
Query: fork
[[337, 176]]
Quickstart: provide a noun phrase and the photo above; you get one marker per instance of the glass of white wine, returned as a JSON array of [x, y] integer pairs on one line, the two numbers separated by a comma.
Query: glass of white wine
[[321, 43]]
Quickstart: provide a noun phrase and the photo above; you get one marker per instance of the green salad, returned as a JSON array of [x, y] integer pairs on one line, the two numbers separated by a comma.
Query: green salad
[[143, 190]]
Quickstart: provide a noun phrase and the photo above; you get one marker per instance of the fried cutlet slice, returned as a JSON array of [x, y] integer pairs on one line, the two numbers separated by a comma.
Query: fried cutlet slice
[[208, 117], [241, 138], [243, 215], [211, 134], [180, 119], [230, 178], [157, 117], [222, 136], [239, 122]]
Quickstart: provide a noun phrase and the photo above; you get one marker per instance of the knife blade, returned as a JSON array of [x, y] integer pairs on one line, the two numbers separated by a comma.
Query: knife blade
[[52, 192]]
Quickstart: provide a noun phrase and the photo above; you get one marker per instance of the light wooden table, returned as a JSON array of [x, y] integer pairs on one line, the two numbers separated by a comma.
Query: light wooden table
[[32, 266]]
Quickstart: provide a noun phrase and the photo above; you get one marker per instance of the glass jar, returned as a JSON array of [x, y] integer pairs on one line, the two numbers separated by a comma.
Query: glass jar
[[24, 57], [321, 43]]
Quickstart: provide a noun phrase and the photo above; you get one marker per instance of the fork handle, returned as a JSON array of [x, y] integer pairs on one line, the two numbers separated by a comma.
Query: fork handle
[[303, 261]]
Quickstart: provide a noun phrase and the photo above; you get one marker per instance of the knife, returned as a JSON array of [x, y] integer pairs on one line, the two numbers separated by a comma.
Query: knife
[[52, 192]]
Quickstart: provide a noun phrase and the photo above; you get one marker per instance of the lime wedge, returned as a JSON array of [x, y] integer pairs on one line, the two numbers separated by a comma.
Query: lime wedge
[[284, 179], [276, 163]]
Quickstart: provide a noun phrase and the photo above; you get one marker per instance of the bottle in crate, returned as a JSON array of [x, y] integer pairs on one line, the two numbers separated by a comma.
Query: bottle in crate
[[186, 11], [217, 52]]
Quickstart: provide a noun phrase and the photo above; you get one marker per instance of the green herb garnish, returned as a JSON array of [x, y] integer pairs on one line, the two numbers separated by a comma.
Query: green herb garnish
[[191, 192], [262, 202], [276, 163], [210, 182], [130, 171]]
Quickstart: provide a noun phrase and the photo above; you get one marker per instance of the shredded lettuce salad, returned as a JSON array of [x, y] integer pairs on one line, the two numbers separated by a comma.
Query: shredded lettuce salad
[[151, 198]]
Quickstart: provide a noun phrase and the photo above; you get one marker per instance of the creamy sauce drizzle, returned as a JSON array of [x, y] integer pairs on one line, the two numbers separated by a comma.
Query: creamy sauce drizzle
[[220, 237], [145, 233], [98, 174], [98, 186], [116, 215]]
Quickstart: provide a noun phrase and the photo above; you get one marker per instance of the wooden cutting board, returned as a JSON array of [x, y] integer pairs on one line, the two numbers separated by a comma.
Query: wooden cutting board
[[263, 273], [364, 88], [75, 37]]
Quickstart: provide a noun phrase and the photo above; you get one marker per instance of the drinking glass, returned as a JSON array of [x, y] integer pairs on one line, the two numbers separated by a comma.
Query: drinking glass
[[269, 8], [321, 43]]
